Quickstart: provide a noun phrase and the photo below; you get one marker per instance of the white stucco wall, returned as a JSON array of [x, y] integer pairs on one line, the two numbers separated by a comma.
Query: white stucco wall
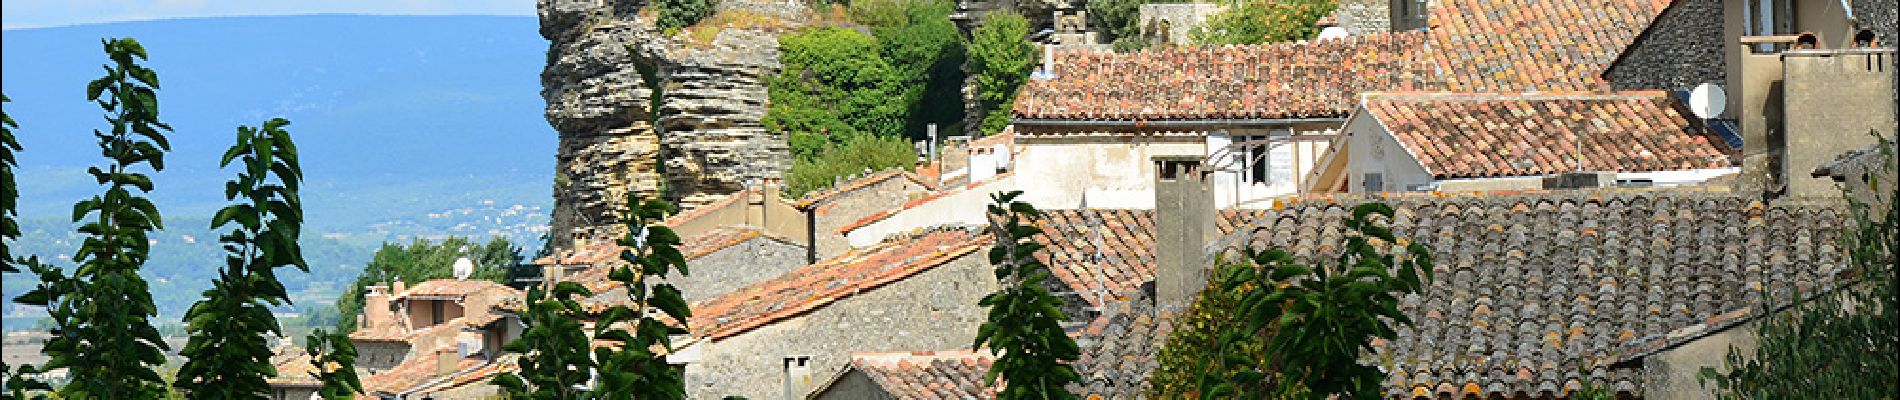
[[1055, 172], [1374, 150], [962, 206]]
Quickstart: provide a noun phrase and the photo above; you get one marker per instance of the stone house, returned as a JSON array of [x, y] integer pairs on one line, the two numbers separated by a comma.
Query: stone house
[[852, 200], [719, 260], [414, 340], [1087, 131], [1472, 142], [778, 338]]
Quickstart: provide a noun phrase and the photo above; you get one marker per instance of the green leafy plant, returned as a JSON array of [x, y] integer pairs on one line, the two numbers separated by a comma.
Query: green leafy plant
[[102, 332], [333, 362], [926, 54], [1193, 351], [632, 364], [674, 15], [1001, 58], [1316, 319], [228, 355], [833, 85], [1024, 327], [1263, 21], [554, 347], [18, 382], [1834, 345]]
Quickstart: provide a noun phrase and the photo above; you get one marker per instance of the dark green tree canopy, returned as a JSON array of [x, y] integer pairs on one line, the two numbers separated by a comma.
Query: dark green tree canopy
[[423, 260], [1001, 57]]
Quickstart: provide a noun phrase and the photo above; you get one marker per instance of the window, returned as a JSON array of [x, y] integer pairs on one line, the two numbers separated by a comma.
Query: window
[[1257, 160], [797, 375], [435, 312], [1375, 182]]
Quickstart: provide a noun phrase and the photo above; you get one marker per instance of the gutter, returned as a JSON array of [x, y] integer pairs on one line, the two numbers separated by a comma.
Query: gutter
[[1173, 123]]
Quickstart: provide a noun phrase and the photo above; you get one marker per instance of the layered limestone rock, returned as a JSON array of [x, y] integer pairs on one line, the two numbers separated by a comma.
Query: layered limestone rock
[[710, 142]]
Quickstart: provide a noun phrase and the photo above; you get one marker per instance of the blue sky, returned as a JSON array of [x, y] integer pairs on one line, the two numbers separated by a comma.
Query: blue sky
[[15, 14]]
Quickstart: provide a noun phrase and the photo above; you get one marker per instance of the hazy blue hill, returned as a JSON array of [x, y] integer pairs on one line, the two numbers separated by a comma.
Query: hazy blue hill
[[396, 117]]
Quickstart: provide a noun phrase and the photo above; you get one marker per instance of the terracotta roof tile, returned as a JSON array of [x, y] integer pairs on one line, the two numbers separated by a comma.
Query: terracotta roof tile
[[1282, 80], [1473, 46], [1528, 288], [1108, 252], [814, 286], [1121, 349], [1489, 135], [451, 288], [821, 196], [928, 375], [411, 373], [601, 257]]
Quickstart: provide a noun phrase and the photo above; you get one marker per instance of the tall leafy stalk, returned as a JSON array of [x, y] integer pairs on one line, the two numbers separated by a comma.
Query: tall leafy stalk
[[632, 364], [1025, 320], [228, 356], [1317, 319], [554, 348], [17, 382], [333, 358], [102, 313]]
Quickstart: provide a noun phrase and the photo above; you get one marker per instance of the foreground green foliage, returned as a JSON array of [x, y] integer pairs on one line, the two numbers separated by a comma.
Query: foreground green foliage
[[102, 332], [333, 358], [1001, 57], [1263, 21], [1025, 320], [554, 348], [423, 260], [17, 382], [1189, 355], [632, 364], [229, 356], [1839, 345], [1316, 319], [676, 14]]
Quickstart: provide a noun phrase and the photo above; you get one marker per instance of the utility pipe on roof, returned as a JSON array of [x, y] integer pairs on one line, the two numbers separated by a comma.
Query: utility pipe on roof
[[1174, 123]]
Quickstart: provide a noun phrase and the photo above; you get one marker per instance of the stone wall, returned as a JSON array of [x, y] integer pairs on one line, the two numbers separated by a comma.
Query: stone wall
[[1364, 17], [1170, 23], [711, 138], [736, 266], [379, 355], [855, 203], [1677, 52], [1831, 102], [1671, 374], [935, 309]]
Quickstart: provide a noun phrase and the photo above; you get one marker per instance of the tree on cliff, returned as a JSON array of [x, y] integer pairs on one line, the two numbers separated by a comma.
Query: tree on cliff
[[675, 14], [229, 356], [833, 101], [1025, 320], [926, 52], [1001, 57], [101, 314]]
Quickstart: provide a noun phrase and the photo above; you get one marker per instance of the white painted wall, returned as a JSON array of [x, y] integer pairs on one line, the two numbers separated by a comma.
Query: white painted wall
[[1055, 173], [1374, 150], [964, 206]]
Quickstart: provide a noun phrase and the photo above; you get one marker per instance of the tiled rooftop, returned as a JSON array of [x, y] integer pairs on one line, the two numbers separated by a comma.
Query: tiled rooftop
[[411, 373], [1122, 239], [1121, 349], [451, 288], [814, 198], [928, 375], [1473, 46], [814, 286], [1283, 80], [1530, 288], [1532, 45], [603, 255], [1490, 135]]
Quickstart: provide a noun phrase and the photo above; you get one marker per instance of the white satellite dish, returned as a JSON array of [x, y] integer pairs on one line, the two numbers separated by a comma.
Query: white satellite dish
[[1333, 32], [463, 268], [1707, 100]]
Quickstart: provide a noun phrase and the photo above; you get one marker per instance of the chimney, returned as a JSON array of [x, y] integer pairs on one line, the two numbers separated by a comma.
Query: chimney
[[1048, 59], [375, 308], [1184, 223]]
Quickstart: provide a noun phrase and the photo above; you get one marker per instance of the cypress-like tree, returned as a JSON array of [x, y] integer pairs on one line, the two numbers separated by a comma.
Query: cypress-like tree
[[1001, 58], [1025, 320], [630, 366], [229, 354], [335, 360], [102, 330]]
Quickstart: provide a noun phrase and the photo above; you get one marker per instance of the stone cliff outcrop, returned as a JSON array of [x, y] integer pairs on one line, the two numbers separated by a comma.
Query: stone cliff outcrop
[[710, 142]]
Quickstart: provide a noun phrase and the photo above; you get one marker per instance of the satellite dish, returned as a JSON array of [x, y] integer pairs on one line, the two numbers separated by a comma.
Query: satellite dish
[[463, 268], [1333, 32], [1707, 100]]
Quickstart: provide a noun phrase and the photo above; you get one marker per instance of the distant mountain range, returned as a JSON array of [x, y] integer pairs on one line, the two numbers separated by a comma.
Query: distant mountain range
[[408, 126]]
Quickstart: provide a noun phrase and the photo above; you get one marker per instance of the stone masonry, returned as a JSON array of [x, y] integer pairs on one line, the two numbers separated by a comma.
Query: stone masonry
[[710, 138], [1674, 52]]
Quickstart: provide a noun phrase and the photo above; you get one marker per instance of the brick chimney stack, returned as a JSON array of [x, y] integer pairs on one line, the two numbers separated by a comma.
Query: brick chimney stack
[[1184, 223], [376, 308]]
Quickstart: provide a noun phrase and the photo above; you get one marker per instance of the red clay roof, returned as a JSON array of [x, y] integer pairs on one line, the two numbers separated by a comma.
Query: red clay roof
[[1484, 135], [1111, 252], [1473, 46], [927, 374], [414, 371], [860, 183], [1533, 45], [451, 287], [1281, 80], [814, 286], [693, 247]]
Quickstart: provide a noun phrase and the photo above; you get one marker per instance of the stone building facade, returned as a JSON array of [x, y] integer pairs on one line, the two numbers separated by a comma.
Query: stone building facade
[[853, 200]]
